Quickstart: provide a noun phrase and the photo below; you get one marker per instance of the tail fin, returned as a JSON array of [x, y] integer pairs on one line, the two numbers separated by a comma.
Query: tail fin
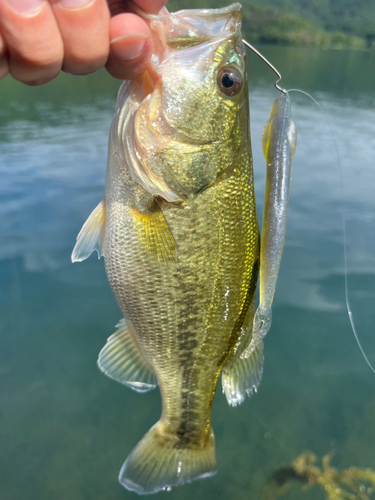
[[158, 462]]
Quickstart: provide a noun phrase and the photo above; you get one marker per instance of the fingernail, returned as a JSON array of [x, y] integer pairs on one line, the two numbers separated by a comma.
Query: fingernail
[[129, 46], [26, 7], [73, 4]]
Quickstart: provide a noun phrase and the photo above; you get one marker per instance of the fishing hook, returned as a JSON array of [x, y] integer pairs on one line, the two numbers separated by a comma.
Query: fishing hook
[[268, 64]]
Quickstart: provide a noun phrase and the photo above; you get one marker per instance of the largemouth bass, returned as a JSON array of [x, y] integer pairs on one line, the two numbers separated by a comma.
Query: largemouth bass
[[179, 233]]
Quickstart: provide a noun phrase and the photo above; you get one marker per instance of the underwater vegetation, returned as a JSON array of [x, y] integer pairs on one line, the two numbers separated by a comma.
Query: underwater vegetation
[[349, 484]]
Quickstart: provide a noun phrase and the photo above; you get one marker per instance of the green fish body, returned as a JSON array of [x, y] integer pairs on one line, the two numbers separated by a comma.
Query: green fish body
[[179, 233]]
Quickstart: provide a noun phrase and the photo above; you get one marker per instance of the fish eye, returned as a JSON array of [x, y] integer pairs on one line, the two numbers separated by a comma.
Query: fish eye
[[229, 80]]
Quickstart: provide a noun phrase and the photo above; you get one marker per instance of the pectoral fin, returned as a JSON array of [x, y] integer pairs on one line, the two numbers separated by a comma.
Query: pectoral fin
[[92, 235], [122, 360], [154, 233]]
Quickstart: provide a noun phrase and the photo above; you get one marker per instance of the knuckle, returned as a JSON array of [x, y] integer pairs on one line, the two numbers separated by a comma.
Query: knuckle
[[126, 71], [43, 60], [44, 54], [36, 82], [33, 74], [36, 68], [85, 62], [32, 79], [4, 71], [79, 67], [4, 68]]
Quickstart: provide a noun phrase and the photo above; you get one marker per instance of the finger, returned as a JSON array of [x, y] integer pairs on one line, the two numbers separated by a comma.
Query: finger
[[4, 70], [152, 6], [130, 48], [32, 39], [84, 28]]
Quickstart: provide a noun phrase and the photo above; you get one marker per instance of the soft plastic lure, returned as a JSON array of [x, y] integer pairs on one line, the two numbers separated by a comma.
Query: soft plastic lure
[[279, 142]]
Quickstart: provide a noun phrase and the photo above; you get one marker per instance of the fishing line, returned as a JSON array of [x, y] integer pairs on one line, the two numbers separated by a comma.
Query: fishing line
[[343, 220]]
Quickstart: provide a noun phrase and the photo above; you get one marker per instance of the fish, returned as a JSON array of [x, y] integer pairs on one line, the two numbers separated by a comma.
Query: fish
[[179, 233], [279, 144]]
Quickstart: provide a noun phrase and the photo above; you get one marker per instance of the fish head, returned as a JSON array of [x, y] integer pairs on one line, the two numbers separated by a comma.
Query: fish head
[[192, 112], [202, 73]]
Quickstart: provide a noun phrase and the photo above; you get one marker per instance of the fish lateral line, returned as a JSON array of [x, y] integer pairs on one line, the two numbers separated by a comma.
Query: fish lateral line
[[343, 221]]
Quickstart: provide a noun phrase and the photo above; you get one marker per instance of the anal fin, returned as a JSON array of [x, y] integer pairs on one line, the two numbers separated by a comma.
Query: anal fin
[[241, 377], [122, 360]]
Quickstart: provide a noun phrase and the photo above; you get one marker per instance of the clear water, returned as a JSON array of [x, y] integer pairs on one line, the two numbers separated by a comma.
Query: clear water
[[65, 429]]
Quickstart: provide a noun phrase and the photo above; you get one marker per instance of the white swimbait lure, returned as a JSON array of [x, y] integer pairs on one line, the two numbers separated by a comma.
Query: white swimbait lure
[[279, 142]]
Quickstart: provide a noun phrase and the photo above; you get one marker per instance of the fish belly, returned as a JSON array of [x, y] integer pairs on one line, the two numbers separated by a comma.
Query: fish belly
[[187, 315]]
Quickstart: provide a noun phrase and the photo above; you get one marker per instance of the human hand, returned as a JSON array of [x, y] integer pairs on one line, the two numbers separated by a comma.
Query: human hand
[[38, 38]]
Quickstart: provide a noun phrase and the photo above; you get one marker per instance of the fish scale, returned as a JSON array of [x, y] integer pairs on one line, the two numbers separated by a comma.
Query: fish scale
[[167, 306]]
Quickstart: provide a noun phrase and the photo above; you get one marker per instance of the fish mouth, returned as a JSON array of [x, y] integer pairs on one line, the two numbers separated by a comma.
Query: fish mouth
[[190, 27]]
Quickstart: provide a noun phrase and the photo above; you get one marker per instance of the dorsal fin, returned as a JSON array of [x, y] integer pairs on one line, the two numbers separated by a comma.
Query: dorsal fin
[[92, 235]]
